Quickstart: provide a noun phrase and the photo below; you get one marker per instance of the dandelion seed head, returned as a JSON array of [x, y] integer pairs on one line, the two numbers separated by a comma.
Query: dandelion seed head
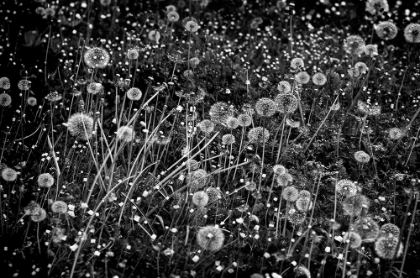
[[200, 198], [377, 6], [346, 188], [250, 185], [8, 174], [154, 36], [134, 94], [353, 205], [305, 194], [125, 133], [412, 33], [284, 87], [32, 208], [389, 230], [296, 217], [303, 204], [361, 157], [59, 207], [297, 63], [286, 103], [290, 194], [96, 57], [210, 238], [80, 125], [31, 101], [371, 49], [232, 122], [172, 16], [367, 228], [319, 79], [133, 54], [284, 180], [279, 169], [395, 133], [244, 120], [206, 126], [386, 248], [197, 179], [258, 135], [94, 88], [5, 99], [214, 194], [386, 30], [24, 84], [54, 96], [361, 67], [228, 139], [355, 240], [40, 215], [194, 62], [192, 164], [219, 112], [302, 77], [191, 26], [265, 107], [4, 83], [45, 180], [354, 45]]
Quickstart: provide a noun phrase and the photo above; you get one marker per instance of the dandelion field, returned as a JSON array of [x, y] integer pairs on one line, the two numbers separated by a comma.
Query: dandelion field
[[209, 138]]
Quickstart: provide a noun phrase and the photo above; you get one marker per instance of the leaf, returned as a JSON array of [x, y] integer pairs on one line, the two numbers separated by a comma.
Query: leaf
[[160, 220]]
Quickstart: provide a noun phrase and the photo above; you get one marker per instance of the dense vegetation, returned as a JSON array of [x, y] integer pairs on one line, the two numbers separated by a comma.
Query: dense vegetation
[[209, 138]]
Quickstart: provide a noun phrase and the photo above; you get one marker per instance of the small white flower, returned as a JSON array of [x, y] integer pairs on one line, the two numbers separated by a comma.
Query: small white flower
[[240, 220], [74, 247]]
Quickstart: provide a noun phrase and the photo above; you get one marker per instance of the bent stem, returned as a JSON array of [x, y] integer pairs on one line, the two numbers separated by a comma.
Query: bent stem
[[320, 126]]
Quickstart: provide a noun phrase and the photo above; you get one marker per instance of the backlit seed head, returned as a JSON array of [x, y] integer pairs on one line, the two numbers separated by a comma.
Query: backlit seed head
[[206, 126], [319, 79], [412, 33], [386, 248], [355, 240], [286, 103], [126, 133], [367, 228], [232, 122], [80, 125], [303, 204], [5, 99], [258, 135], [210, 238], [265, 107], [290, 194], [346, 188], [40, 215], [353, 205], [361, 157], [45, 180], [96, 57], [134, 94], [59, 207], [8, 174], [228, 139], [354, 45], [297, 63], [386, 30], [200, 198], [389, 230], [284, 87]]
